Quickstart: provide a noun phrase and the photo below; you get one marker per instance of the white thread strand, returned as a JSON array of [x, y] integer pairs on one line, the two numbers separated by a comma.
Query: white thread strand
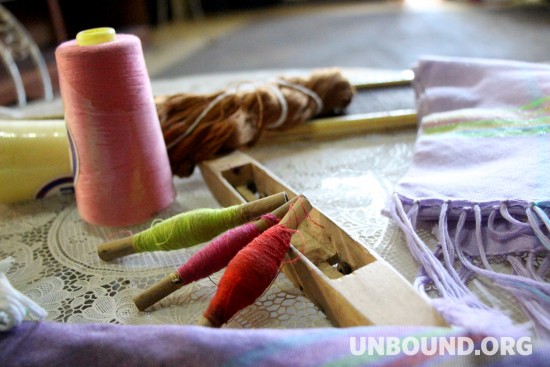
[[199, 118], [284, 107], [479, 238], [535, 225], [306, 91], [15, 306], [542, 216]]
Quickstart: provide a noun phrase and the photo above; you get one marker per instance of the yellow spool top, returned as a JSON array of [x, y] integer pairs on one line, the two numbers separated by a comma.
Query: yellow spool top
[[95, 36]]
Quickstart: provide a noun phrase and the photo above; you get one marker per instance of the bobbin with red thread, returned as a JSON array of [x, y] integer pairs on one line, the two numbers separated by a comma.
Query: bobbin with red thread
[[254, 268], [120, 164]]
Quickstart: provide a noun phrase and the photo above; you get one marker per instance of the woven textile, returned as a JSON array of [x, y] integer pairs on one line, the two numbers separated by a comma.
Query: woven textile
[[480, 175]]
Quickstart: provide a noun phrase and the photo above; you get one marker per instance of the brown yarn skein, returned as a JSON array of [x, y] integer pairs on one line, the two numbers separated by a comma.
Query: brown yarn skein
[[233, 120]]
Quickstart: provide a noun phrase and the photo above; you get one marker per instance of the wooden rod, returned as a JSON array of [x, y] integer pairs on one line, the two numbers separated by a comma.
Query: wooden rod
[[404, 78], [346, 125], [122, 247]]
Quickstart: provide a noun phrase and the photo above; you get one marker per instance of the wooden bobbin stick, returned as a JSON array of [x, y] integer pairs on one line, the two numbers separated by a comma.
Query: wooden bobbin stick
[[114, 249], [172, 282], [264, 205], [293, 218], [203, 321], [122, 247], [297, 213], [346, 125], [163, 288]]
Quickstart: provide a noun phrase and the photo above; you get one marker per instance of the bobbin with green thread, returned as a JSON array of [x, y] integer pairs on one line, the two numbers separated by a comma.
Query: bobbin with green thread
[[171, 234]]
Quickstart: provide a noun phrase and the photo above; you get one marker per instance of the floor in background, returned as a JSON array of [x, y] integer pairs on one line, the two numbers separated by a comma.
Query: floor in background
[[348, 34]]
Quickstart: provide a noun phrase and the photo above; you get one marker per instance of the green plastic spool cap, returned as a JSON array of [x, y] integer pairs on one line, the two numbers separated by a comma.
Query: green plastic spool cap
[[95, 36]]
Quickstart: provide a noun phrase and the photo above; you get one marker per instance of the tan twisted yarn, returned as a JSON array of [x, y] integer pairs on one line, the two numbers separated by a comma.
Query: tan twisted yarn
[[238, 119]]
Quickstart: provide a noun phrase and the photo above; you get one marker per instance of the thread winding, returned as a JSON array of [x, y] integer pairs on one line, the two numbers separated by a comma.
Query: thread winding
[[249, 274], [218, 253], [120, 164], [188, 229]]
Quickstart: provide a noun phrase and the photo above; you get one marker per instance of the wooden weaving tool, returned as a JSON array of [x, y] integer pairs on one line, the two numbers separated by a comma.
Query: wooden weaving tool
[[350, 284]]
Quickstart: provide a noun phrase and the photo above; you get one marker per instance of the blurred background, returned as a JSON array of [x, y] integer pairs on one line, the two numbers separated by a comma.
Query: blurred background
[[187, 37]]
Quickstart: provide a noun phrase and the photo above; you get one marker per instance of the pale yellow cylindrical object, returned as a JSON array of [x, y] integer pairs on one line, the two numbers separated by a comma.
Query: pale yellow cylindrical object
[[34, 160], [95, 36]]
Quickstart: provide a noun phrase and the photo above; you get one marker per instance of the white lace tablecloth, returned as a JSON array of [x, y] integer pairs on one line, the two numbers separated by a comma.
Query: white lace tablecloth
[[57, 266]]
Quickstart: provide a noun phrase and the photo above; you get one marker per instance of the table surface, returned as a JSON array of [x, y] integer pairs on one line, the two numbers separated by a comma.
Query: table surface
[[349, 179]]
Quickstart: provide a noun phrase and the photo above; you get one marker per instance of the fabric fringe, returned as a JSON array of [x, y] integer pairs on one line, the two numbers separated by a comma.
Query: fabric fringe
[[460, 257]]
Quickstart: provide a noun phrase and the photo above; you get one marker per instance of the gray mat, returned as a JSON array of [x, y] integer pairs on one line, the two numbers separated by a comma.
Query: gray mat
[[392, 40]]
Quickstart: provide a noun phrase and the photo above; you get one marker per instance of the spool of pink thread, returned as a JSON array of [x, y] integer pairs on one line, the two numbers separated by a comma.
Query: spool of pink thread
[[120, 163]]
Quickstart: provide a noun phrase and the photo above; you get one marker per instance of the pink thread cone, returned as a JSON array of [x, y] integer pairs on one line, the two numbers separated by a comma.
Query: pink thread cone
[[121, 167]]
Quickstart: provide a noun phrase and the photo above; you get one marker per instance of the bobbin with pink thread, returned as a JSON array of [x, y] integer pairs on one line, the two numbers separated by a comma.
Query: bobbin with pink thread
[[120, 163]]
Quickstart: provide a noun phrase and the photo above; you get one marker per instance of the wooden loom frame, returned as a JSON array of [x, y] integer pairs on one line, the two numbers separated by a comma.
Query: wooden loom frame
[[350, 284]]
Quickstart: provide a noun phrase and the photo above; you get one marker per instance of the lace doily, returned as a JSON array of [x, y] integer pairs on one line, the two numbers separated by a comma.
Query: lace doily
[[57, 266]]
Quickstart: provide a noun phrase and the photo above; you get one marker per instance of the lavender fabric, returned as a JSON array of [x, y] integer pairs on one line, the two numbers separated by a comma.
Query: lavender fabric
[[58, 344], [484, 132], [480, 175]]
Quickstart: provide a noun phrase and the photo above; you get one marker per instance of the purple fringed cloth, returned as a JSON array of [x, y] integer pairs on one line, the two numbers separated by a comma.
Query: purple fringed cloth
[[480, 175], [60, 344]]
